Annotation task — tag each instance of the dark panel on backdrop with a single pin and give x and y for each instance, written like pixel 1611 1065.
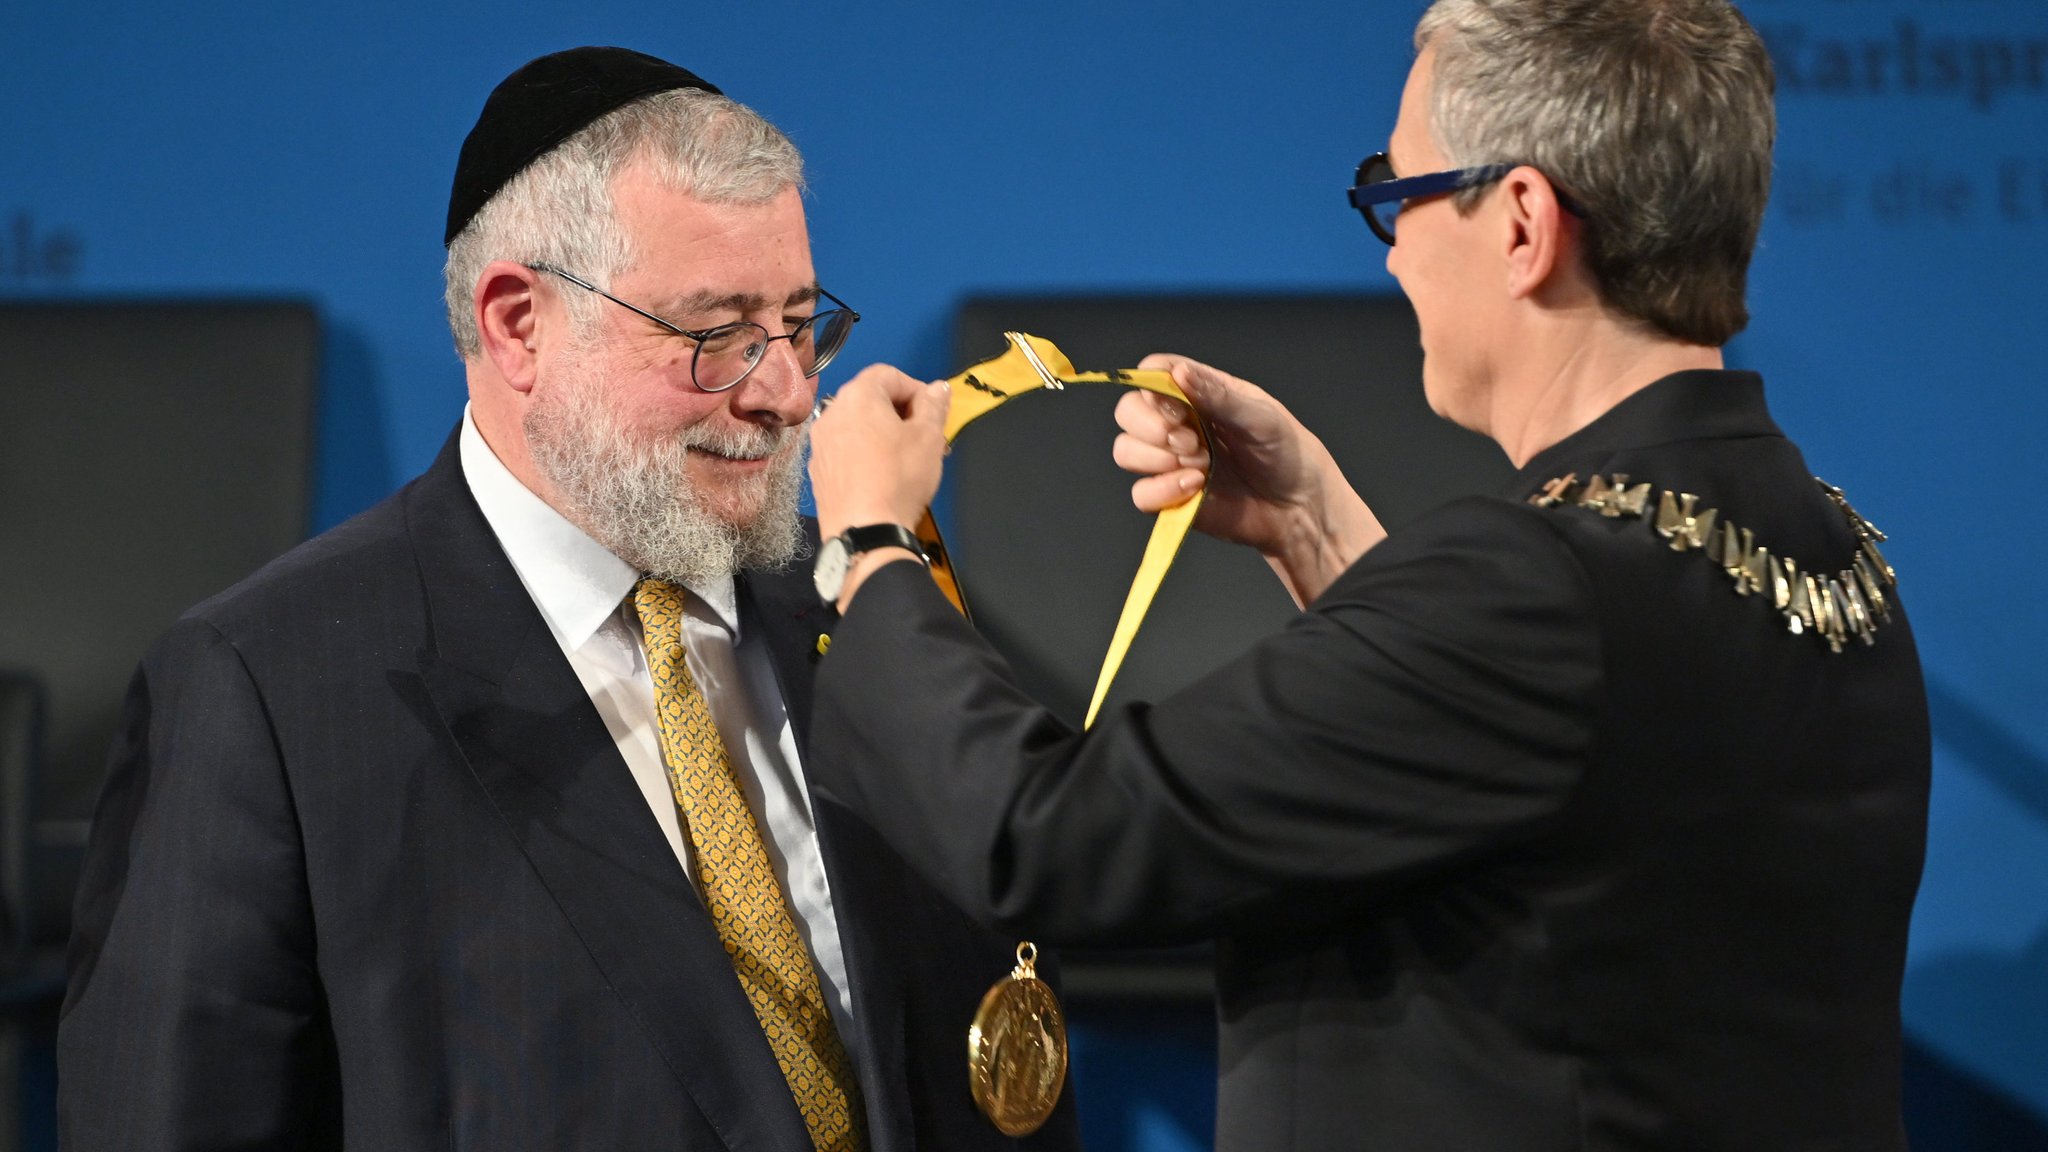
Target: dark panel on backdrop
pixel 1041 524
pixel 151 455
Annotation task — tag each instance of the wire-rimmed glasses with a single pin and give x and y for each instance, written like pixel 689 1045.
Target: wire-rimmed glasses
pixel 729 353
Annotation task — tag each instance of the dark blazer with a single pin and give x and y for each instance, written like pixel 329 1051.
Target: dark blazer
pixel 1530 834
pixel 369 873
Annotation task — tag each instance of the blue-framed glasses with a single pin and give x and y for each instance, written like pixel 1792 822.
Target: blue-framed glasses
pixel 729 353
pixel 1378 194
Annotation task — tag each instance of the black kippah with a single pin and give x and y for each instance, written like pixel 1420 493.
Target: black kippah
pixel 543 104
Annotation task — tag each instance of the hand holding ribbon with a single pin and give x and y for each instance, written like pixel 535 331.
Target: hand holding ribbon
pixel 1271 483
pixel 876 456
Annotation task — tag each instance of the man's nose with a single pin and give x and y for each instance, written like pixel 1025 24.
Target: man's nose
pixel 776 392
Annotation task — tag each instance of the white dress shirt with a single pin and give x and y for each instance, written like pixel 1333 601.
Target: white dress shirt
pixel 585 595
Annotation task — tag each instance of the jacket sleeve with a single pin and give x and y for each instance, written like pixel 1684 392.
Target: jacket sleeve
pixel 193 1016
pixel 1435 704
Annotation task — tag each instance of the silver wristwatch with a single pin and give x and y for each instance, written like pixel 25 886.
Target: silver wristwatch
pixel 836 555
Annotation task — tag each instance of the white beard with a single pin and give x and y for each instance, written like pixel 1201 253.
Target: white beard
pixel 635 497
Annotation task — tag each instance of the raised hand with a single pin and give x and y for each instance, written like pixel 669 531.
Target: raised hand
pixel 876 457
pixel 1272 483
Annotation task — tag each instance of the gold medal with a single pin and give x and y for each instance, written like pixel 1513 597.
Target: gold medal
pixel 1017 1049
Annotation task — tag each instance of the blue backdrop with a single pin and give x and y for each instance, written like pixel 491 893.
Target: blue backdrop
pixel 275 149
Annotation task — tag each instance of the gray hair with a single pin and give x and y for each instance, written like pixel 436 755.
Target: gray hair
pixel 559 209
pixel 1653 116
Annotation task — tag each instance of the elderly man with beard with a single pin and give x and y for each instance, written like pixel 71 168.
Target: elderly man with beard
pixel 482 821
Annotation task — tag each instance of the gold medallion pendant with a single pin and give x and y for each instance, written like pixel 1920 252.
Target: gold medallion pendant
pixel 1017 1049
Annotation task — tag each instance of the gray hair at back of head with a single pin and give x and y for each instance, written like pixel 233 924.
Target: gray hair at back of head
pixel 1654 116
pixel 559 209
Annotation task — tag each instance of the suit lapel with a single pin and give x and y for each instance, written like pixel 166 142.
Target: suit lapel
pixel 785 607
pixel 527 732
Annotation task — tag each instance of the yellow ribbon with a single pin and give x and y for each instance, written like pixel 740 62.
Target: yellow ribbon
pixel 1031 363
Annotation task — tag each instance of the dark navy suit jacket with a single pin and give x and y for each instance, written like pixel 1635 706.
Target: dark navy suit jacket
pixel 369 873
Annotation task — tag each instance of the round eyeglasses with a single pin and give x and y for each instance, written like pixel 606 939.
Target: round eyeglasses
pixel 729 353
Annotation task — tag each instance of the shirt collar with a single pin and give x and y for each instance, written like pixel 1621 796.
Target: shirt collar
pixel 577 583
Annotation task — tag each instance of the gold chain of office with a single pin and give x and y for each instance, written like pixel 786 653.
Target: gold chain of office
pixel 1836 608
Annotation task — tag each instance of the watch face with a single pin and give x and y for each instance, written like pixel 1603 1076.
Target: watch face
pixel 829 573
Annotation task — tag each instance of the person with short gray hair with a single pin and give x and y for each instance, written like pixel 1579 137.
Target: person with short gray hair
pixel 484 819
pixel 1583 818
pixel 1654 119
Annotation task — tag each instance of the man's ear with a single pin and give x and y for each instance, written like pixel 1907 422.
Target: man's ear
pixel 1540 234
pixel 507 320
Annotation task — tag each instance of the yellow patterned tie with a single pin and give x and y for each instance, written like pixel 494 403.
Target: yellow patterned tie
pixel 746 904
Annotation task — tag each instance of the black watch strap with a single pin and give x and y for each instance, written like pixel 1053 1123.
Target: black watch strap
pixel 872 536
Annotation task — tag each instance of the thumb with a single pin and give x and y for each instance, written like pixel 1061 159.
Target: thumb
pixel 1206 388
pixel 931 404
